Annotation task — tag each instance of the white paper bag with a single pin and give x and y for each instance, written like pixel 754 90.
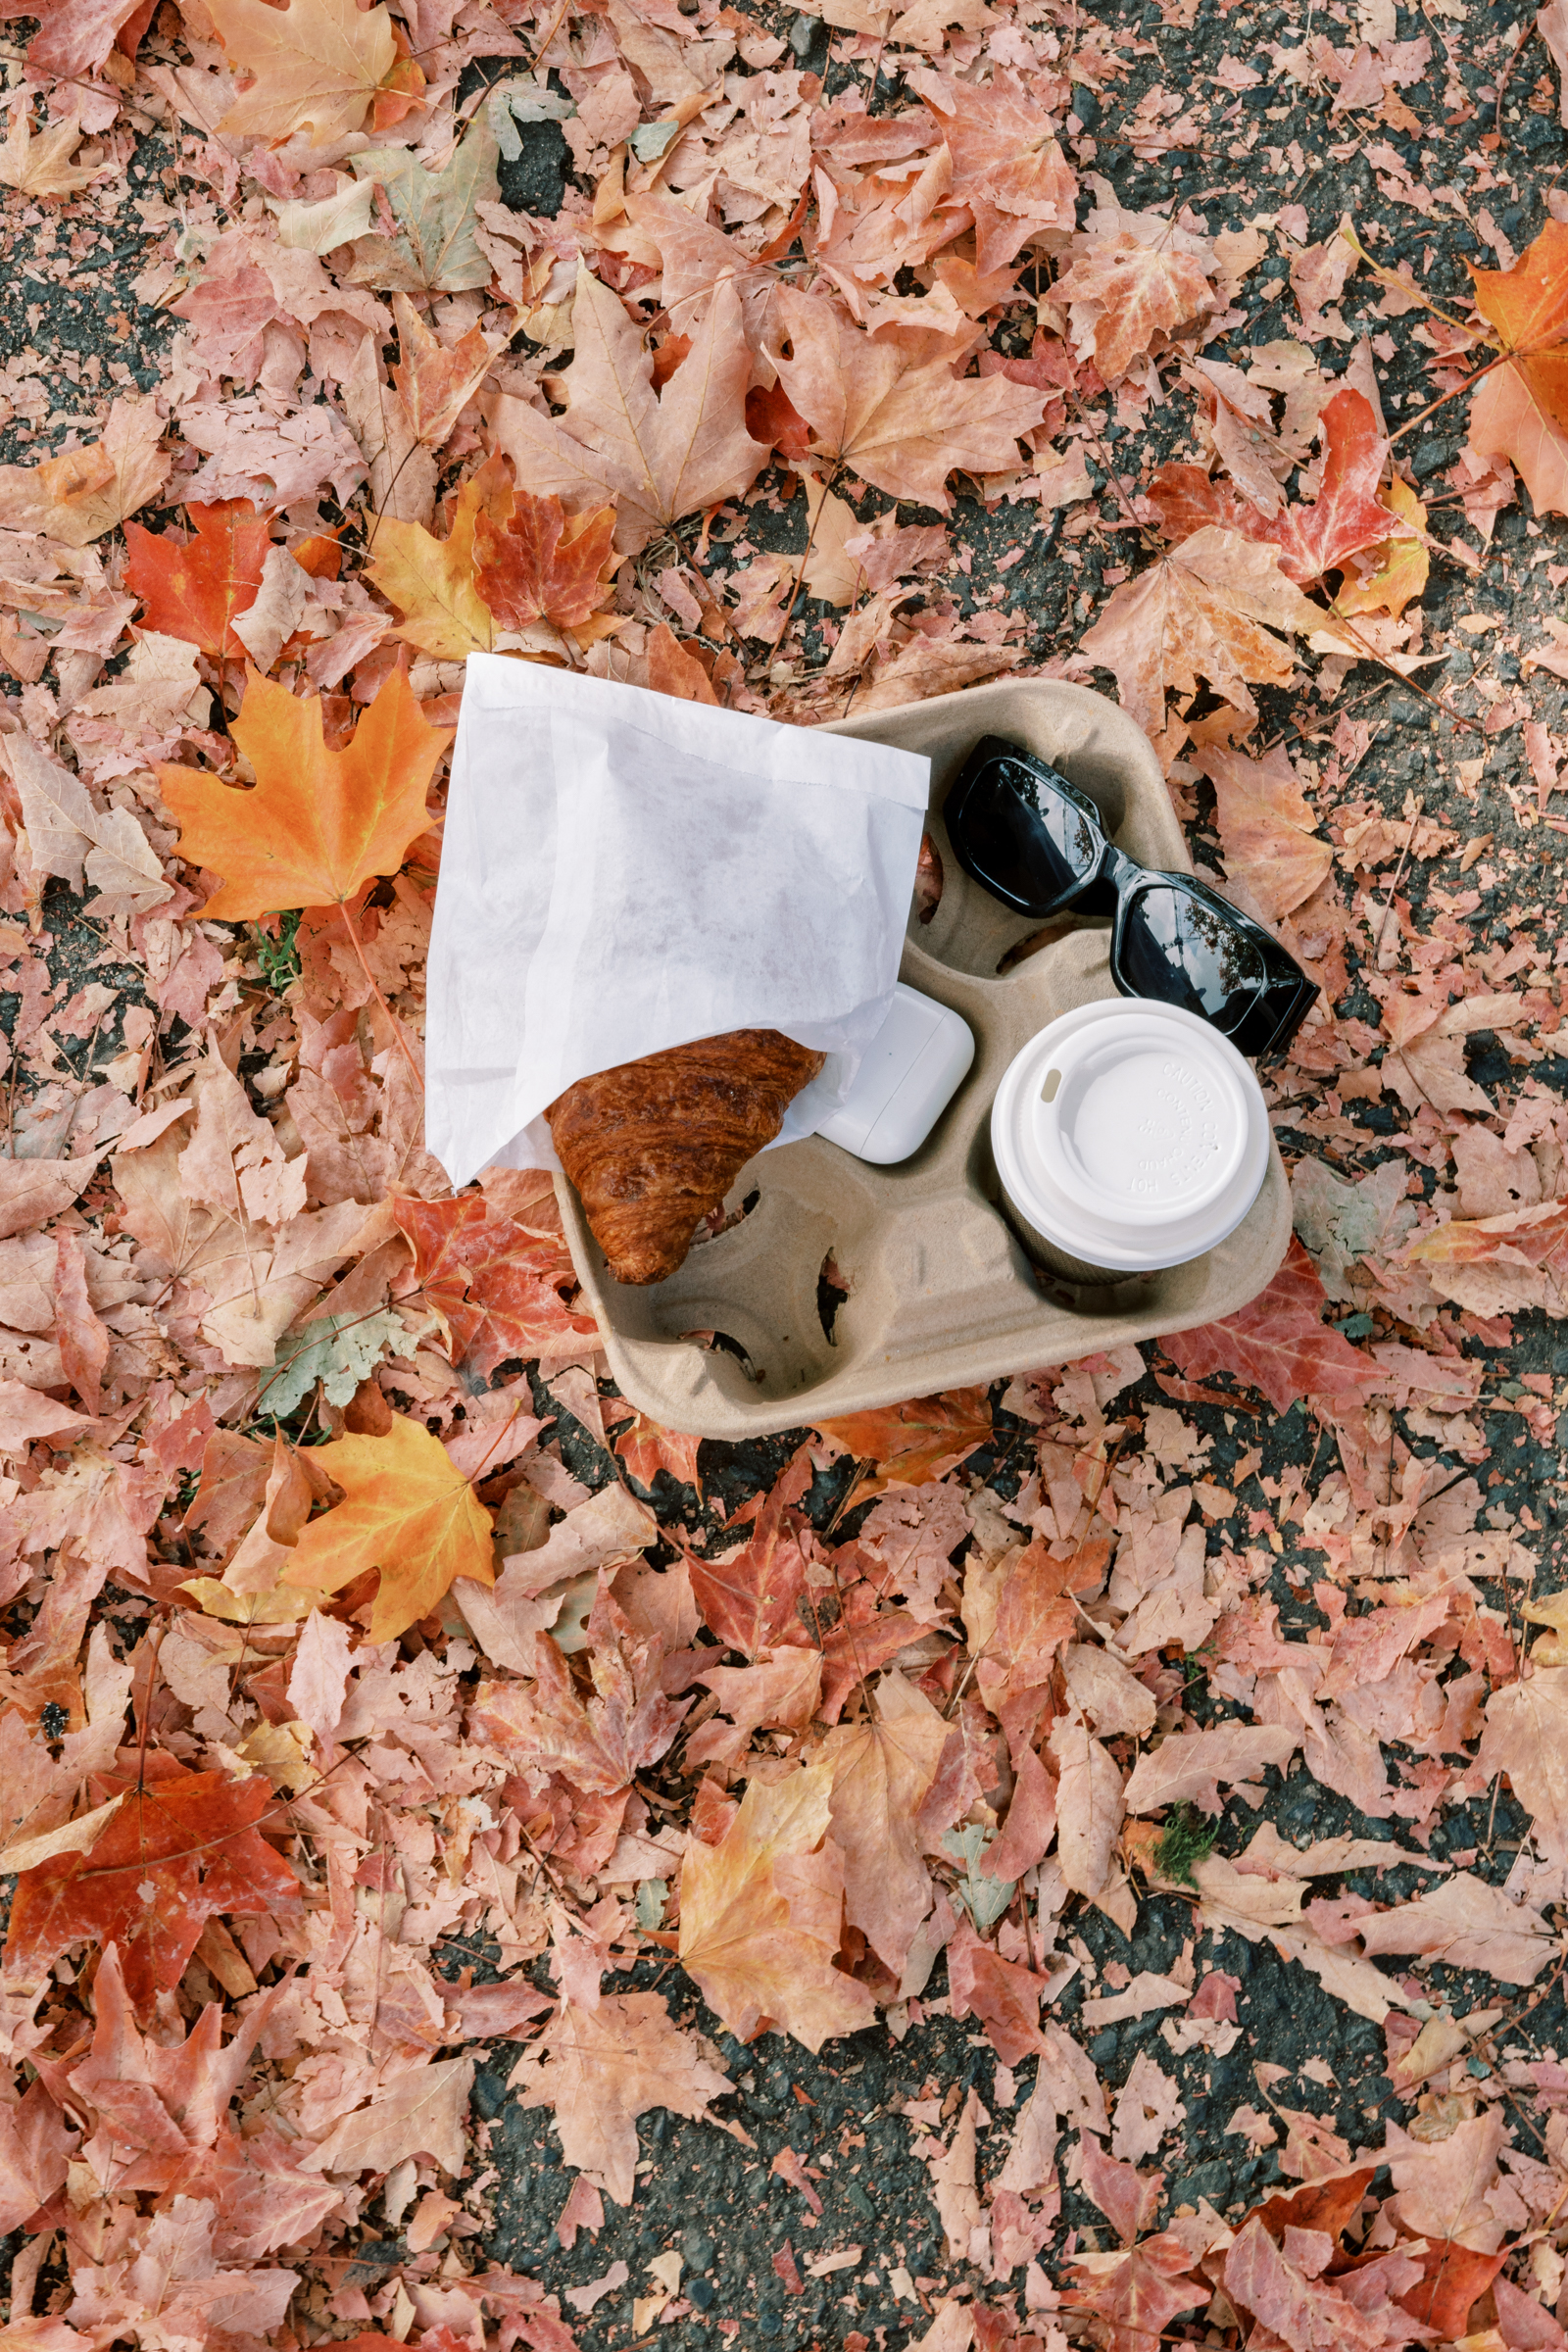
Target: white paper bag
pixel 622 872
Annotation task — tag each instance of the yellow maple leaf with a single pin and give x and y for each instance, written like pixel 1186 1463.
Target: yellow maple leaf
pixel 762 1914
pixel 1398 565
pixel 408 1512
pixel 431 581
pixel 316 62
pixel 317 823
pixel 78 496
pixel 42 165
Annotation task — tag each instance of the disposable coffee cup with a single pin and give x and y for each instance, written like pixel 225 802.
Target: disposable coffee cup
pixel 1129 1138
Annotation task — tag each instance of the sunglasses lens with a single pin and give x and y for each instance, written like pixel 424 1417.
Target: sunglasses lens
pixel 1015 826
pixel 1179 949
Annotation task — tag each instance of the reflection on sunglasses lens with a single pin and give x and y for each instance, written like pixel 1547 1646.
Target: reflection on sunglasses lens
pixel 1018 831
pixel 1177 949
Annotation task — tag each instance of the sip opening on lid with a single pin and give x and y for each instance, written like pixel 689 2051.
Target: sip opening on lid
pixel 1128 1137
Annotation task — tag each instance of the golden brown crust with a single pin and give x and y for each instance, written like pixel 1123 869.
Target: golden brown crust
pixel 654 1145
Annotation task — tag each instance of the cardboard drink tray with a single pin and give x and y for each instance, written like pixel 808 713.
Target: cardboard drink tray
pixel 941 1294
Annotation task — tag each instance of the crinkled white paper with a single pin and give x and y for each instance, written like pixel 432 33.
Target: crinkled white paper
pixel 622 872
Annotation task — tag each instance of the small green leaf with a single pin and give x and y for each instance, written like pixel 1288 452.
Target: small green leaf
pixel 338 1350
pixel 1187 1839
pixel 652 1896
pixel 984 1897
pixel 435 249
pixel 649 141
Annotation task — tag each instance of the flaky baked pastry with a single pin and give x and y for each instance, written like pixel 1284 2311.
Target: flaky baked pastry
pixel 654 1145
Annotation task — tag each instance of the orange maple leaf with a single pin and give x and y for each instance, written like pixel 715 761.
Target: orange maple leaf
pixel 436 380
pixel 1002 1994
pixel 673 670
pixel 1453 2275
pixel 913 1443
pixel 431 581
pixel 761 1913
pixel 644 1448
pixel 319 823
pixel 500 1290
pixel 1520 411
pixel 193 588
pixel 1347 515
pixel 598 1745
pixel 542 563
pixel 750 1596
pixel 183 1846
pixel 1143 290
pixel 1267 827
pixel 73 40
pixel 1206 612
pixel 1396 568
pixel 316 64
pixel 883 1767
pixel 408 1512
pixel 1007 165
pixel 1280 1343
pixel 601 2069
pixel 891 412
pixel 1526 1735
pixel 656 458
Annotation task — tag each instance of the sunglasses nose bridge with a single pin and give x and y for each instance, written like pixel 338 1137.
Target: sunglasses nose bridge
pixel 1106 888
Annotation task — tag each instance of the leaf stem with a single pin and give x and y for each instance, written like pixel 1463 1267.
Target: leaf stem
pixel 1414 684
pixel 396 1026
pixel 1404 286
pixel 1443 398
pixel 805 554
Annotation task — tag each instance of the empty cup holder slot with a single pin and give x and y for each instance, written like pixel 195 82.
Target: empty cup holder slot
pixel 724 1342
pixel 762 1292
pixel 832 1288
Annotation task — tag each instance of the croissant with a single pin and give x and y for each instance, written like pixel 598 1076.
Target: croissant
pixel 654 1145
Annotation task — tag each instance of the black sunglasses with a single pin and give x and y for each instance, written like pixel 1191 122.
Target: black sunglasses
pixel 1036 842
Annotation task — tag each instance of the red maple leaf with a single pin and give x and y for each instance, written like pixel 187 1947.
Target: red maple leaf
pixel 1002 1994
pixel 750 1597
pixel 1453 2275
pixel 913 1443
pixel 1279 1343
pixel 501 1288
pixel 1136 2298
pixel 644 1449
pixel 183 1846
pixel 1346 514
pixel 192 588
pixel 864 1639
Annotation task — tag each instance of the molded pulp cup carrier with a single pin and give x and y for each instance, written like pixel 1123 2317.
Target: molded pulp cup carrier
pixel 1003 1244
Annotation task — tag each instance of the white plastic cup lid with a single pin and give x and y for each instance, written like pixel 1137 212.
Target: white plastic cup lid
pixel 1130 1134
